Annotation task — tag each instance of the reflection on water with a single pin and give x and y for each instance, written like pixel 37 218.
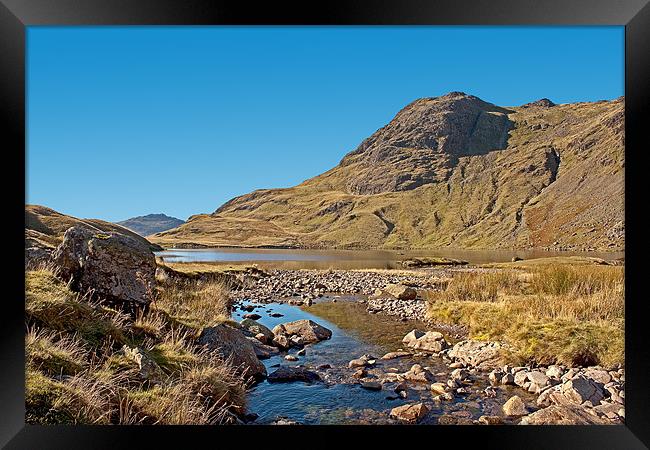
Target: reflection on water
pixel 355 259
pixel 354 333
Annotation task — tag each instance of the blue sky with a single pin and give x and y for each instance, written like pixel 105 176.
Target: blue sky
pixel 125 121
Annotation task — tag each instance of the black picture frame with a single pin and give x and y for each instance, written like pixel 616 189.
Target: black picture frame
pixel 16 15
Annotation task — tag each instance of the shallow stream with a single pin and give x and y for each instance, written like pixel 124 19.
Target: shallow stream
pixel 339 398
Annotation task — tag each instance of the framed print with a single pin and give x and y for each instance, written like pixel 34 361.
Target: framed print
pixel 367 220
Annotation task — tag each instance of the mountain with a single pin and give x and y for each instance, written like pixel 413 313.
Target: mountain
pixel 151 223
pixel 449 171
pixel 44 227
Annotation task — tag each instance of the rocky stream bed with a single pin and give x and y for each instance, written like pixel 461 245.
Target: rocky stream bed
pixel 355 347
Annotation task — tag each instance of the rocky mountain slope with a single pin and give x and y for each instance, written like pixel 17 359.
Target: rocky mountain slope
pixel 151 223
pixel 448 171
pixel 44 228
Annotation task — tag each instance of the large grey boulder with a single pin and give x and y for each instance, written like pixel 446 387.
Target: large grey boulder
pixel 308 331
pixel 113 266
pixel 232 345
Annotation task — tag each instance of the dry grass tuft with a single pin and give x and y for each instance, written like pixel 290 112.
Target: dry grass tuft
pixel 195 303
pixel 565 314
pixel 78 372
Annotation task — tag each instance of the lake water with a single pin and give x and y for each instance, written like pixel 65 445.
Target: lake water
pixel 339 399
pixel 354 259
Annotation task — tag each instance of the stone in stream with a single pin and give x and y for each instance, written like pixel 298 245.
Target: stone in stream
pixel 252 316
pixel 291 358
pixel 394 355
pixel 371 385
pixel 294 373
pixel 363 361
pixel 490 420
pixel 438 388
pixel 431 341
pixel 263 351
pixel 252 328
pixel 417 373
pixel 410 413
pixel 309 331
pixel 276 315
pixel 359 373
pixel 515 407
pixel 282 342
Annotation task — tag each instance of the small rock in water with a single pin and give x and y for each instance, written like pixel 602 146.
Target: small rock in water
pixel 252 316
pixel 515 407
pixel 371 385
pixel 490 420
pixel 301 352
pixel 291 358
pixel 276 315
pixel 410 413
pixel 360 373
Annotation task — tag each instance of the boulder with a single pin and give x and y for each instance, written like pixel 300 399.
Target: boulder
pixel 515 406
pixel 262 351
pixel 564 415
pixel 438 388
pixel 482 355
pixel 401 292
pixel 254 328
pixel 538 378
pixel 418 373
pixel 598 375
pixel 114 266
pixel 294 373
pixel 232 345
pixel 431 341
pixel 580 389
pixel 409 413
pixel 309 331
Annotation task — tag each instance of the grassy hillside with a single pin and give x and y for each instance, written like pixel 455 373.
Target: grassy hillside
pixel 448 171
pixel 44 227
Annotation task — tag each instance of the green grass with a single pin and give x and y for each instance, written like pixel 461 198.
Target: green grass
pixel 571 315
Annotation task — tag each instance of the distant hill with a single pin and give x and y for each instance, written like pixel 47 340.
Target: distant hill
pixel 151 223
pixel 44 227
pixel 449 171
